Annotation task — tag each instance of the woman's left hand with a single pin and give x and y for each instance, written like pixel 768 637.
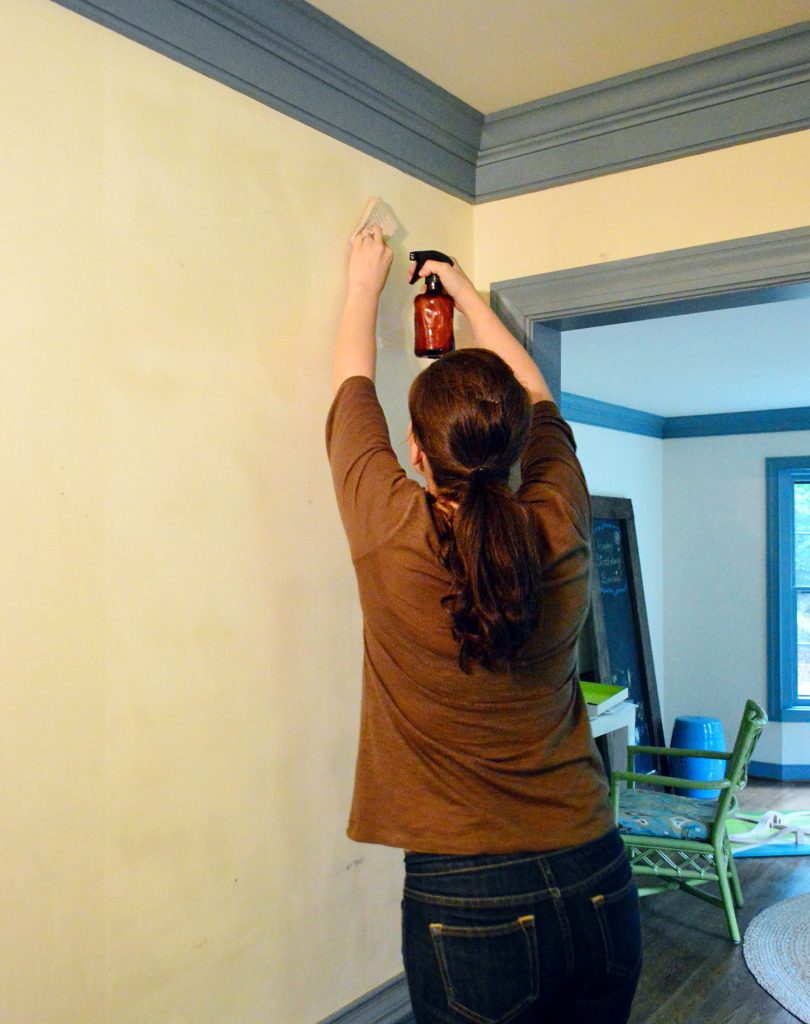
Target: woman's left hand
pixel 369 262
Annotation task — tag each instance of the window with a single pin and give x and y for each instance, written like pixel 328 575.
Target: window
pixel 788 487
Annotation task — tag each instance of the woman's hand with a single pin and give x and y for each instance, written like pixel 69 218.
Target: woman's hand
pixel 369 262
pixel 454 281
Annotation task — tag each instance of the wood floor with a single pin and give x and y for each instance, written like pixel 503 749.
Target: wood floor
pixel 693 973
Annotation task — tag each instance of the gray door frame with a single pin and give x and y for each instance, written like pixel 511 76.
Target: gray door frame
pixel 743 271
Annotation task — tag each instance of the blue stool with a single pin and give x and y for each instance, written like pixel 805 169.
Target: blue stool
pixel 694 732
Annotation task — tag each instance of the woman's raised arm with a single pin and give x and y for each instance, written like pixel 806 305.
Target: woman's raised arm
pixel 356 344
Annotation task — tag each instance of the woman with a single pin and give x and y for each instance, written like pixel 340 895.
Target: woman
pixel 475 751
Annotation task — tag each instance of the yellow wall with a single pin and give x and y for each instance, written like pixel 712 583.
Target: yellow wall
pixel 181 641
pixel 731 193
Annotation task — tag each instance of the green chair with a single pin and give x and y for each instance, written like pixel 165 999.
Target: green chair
pixel 679 842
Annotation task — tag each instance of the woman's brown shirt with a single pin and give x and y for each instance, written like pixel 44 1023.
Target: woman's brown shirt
pixel 492 762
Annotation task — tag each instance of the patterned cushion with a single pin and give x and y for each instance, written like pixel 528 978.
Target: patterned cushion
pixel 647 813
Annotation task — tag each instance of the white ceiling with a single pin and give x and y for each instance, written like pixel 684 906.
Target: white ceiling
pixel 728 360
pixel 495 54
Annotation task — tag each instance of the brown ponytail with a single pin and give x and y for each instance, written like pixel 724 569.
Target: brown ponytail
pixel 470 416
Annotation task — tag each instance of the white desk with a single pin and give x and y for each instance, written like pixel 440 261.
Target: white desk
pixel 623 716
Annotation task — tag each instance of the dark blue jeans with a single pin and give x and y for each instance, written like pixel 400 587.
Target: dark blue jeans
pixel 522 937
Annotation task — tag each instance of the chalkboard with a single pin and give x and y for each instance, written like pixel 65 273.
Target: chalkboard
pixel 616 643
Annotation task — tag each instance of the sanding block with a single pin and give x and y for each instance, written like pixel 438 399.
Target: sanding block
pixel 376 214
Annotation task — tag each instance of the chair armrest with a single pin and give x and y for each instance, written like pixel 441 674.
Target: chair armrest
pixel 633 749
pixel 720 755
pixel 668 781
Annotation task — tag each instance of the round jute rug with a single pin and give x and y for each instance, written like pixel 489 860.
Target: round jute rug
pixel 777 951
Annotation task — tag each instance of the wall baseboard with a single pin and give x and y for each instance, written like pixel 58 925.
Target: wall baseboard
pixel 780 772
pixel 387 1004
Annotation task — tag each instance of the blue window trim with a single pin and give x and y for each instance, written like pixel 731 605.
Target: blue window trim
pixel 783 702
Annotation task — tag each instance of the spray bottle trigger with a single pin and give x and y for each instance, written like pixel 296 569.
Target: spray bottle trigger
pixel 421 256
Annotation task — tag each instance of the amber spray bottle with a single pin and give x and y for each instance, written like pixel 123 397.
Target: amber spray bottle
pixel 433 310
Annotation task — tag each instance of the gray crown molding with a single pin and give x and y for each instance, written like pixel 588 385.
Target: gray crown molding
pixel 595 413
pixel 581 409
pixel 292 57
pixel 296 59
pixel 749 90
pixel 387 1004
pixel 762 421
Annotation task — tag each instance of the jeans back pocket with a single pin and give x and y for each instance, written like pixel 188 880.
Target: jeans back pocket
pixel 620 926
pixel 490 973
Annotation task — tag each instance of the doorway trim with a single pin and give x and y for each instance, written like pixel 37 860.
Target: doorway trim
pixel 743 271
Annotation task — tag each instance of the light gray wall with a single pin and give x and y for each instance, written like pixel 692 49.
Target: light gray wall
pixel 714 571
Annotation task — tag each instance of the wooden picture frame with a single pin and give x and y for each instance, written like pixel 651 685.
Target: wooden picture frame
pixel 615 646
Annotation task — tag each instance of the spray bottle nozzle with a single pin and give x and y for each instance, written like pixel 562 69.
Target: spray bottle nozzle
pixel 421 256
